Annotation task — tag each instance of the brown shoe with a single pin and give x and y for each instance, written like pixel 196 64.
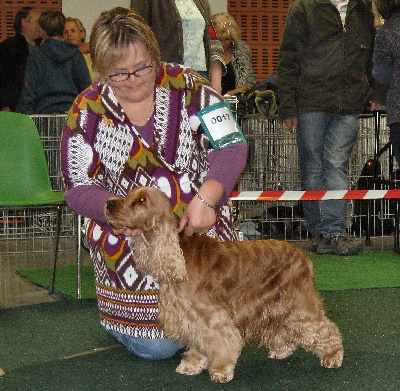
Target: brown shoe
pixel 314 242
pixel 339 245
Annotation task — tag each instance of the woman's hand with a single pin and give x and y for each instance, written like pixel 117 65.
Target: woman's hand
pixel 292 124
pixel 200 214
pixel 197 218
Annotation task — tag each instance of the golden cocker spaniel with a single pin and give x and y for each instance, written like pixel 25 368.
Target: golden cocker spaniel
pixel 216 296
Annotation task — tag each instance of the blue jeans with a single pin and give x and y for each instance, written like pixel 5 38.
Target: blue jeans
pixel 325 142
pixel 151 349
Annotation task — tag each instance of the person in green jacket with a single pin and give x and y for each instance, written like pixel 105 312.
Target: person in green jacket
pixel 324 66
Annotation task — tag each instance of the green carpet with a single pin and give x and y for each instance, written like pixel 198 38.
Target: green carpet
pixel 65 282
pixel 379 269
pixel 60 346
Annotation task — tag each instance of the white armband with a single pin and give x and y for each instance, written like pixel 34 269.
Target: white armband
pixel 220 125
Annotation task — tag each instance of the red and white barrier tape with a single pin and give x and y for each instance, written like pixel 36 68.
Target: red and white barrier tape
pixel 313 195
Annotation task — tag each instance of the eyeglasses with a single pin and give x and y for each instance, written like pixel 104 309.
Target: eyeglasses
pixel 223 24
pixel 122 76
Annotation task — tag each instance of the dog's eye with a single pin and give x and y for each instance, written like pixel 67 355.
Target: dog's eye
pixel 142 199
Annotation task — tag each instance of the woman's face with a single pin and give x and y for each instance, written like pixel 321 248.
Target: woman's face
pixel 135 89
pixel 223 27
pixel 73 34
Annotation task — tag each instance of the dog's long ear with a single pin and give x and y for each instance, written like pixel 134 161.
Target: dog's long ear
pixel 168 252
pixel 162 257
pixel 160 254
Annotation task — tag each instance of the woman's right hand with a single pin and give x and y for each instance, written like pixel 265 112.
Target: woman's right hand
pixel 292 124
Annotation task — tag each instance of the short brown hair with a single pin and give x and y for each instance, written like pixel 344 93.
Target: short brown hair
pixel 111 35
pixel 52 22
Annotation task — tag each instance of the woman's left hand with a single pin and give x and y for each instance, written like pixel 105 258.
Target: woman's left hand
pixel 197 218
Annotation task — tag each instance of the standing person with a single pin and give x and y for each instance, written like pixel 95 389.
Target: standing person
pixel 324 62
pixel 240 74
pixel 144 122
pixel 182 28
pixel 386 69
pixel 75 32
pixel 14 52
pixel 55 73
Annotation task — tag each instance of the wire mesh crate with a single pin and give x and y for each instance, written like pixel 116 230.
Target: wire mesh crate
pixel 273 165
pixel 30 232
pixel 50 129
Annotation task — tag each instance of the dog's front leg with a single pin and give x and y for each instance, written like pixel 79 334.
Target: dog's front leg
pixel 192 362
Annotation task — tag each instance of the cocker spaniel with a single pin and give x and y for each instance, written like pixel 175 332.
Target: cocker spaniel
pixel 216 296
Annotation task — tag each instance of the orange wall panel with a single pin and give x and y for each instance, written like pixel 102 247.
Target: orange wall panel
pixel 9 8
pixel 262 23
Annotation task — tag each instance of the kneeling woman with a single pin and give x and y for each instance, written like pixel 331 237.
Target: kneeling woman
pixel 145 123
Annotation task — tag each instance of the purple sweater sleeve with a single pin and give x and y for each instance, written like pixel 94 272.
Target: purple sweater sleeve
pixel 88 201
pixel 226 165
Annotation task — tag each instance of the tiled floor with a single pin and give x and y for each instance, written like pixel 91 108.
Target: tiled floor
pixel 16 291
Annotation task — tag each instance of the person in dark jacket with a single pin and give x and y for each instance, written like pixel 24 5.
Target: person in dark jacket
pixel 324 66
pixel 56 73
pixel 13 54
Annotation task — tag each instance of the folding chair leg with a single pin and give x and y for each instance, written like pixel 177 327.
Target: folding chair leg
pixel 58 232
pixel 79 258
pixel 396 247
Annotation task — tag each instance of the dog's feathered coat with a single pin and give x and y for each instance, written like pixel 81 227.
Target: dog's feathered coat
pixel 215 296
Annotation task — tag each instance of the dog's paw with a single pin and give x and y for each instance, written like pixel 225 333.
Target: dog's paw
pixel 333 360
pixel 222 376
pixel 186 368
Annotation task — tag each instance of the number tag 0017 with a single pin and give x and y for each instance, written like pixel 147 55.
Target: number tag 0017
pixel 220 125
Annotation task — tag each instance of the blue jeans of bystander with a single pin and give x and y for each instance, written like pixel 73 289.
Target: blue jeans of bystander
pixel 151 349
pixel 325 142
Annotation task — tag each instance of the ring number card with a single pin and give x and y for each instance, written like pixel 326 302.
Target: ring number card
pixel 220 125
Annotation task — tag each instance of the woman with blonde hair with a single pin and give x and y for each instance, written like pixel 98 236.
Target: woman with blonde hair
pixel 145 123
pixel 240 75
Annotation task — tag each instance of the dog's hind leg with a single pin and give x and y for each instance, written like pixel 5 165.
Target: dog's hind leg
pixel 321 337
pixel 328 344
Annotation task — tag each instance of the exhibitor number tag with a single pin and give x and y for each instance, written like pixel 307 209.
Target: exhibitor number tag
pixel 220 125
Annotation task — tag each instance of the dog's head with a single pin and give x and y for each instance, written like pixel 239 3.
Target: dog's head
pixel 149 210
pixel 143 208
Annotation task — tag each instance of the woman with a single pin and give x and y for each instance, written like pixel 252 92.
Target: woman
pixel 75 32
pixel 182 29
pixel 140 125
pixel 240 75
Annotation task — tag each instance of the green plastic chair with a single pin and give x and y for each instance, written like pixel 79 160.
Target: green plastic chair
pixel 24 174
